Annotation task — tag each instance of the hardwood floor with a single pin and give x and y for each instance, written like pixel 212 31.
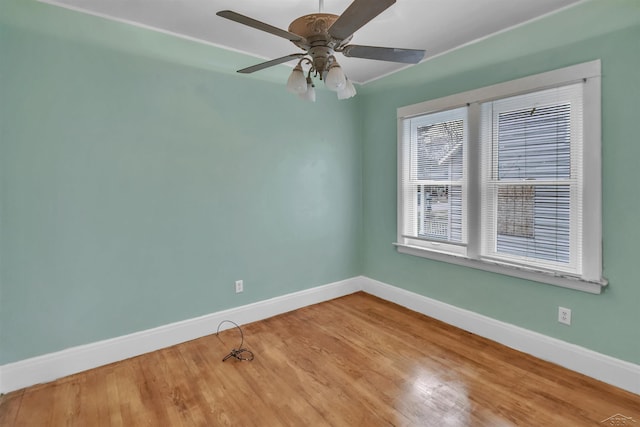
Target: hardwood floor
pixel 353 361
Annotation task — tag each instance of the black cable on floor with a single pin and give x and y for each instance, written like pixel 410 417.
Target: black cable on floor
pixel 237 353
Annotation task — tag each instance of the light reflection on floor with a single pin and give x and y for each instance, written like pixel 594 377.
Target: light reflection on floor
pixel 434 399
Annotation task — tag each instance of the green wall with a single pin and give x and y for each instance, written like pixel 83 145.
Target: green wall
pixel 140 176
pixel 609 30
pixel 137 184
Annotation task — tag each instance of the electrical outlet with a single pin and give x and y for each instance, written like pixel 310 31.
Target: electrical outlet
pixel 564 315
pixel 239 286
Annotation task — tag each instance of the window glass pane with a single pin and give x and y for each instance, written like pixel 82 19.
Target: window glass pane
pixel 516 210
pixel 439 151
pixel 439 212
pixel 534 143
pixel 533 222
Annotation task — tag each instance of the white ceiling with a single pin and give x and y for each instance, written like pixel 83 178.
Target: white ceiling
pixel 436 26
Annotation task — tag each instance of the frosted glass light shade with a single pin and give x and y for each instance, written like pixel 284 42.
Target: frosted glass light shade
pixel 297 83
pixel 335 79
pixel 348 91
pixel 309 94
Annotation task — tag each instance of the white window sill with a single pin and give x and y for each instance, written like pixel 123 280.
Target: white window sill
pixel 536 276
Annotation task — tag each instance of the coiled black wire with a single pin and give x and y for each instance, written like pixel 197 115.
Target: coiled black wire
pixel 237 353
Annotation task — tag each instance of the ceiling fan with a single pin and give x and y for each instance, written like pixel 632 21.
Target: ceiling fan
pixel 320 36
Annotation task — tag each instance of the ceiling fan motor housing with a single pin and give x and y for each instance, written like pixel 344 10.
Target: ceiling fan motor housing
pixel 314 28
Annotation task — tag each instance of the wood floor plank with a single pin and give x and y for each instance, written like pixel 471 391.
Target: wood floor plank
pixel 36 408
pixel 117 414
pixel 9 407
pixel 352 361
pixel 66 402
pixel 93 398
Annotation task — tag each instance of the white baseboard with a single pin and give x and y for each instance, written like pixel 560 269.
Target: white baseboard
pixel 49 367
pixel 605 368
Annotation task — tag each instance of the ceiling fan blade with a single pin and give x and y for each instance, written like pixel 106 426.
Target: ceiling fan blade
pixel 357 14
pixel 259 25
pixel 271 63
pixel 407 56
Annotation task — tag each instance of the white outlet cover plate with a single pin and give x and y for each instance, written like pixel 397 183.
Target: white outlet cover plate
pixel 564 315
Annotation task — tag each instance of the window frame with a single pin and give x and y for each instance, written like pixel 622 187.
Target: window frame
pixel 591 279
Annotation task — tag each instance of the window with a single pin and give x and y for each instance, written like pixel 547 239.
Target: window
pixel 433 183
pixel 532 146
pixel 495 178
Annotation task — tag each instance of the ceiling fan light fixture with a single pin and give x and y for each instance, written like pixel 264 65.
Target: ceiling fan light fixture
pixel 335 80
pixel 297 83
